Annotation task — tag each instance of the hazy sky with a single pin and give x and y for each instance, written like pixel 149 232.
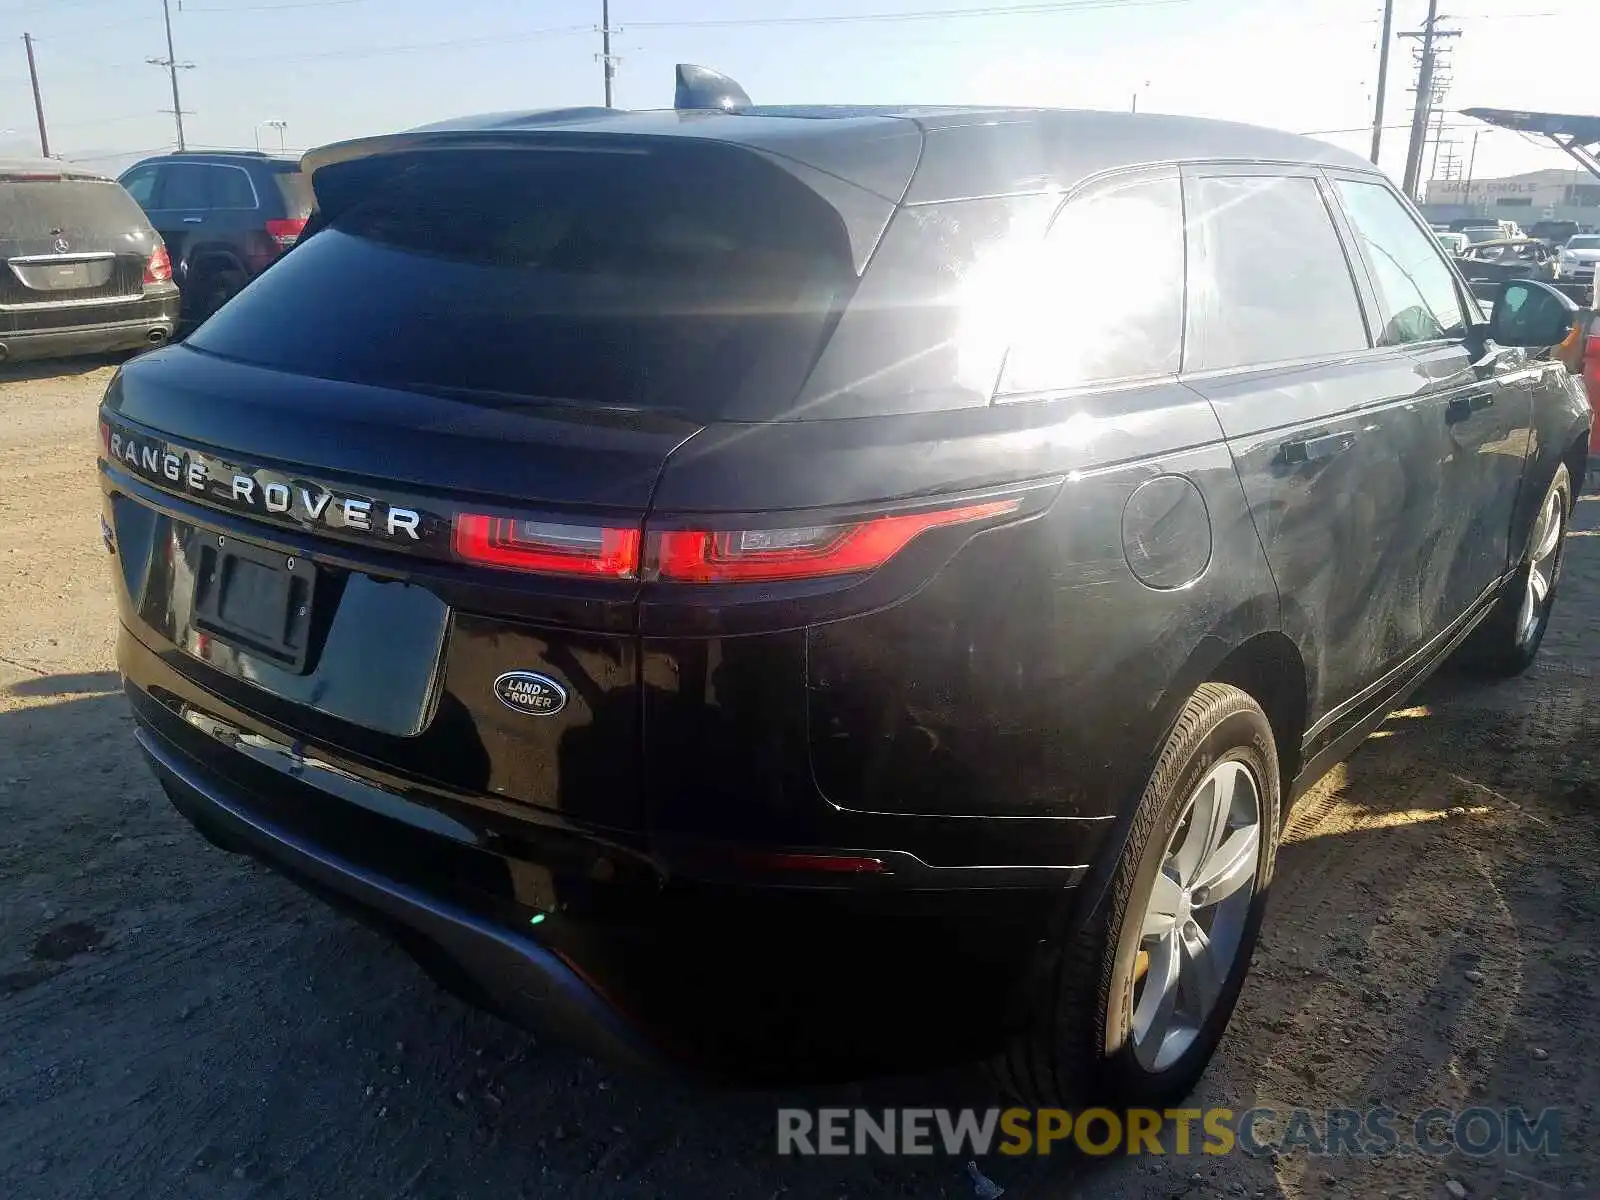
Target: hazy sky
pixel 340 68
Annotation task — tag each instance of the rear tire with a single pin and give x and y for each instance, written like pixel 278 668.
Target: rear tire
pixel 1096 1032
pixel 1507 641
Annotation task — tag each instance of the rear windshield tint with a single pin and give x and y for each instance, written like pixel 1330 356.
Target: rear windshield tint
pixel 37 208
pixel 685 279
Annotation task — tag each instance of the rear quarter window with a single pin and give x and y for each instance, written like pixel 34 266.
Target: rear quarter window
pixel 1103 302
pixel 692 279
pixel 1268 277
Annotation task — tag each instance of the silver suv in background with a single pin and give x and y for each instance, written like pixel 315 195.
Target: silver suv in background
pixel 1575 263
pixel 82 271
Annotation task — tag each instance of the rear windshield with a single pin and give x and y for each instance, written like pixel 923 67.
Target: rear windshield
pixel 31 209
pixel 686 279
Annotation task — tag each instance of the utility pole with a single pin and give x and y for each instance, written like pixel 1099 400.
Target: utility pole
pixel 173 66
pixel 1429 35
pixel 609 63
pixel 1383 77
pixel 1438 137
pixel 38 100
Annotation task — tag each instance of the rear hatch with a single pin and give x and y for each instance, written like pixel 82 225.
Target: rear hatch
pixel 450 405
pixel 66 244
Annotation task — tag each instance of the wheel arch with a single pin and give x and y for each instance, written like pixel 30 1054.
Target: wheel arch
pixel 1576 456
pixel 1245 652
pixel 208 257
pixel 1270 669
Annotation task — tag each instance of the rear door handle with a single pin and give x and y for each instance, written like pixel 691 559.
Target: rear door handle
pixel 1316 448
pixel 193 220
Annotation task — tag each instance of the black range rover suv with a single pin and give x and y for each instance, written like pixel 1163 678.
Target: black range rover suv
pixel 776 589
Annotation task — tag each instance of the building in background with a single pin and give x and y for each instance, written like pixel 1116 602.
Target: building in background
pixel 1560 194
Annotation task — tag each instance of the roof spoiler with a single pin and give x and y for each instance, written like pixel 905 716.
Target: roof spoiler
pixel 703 88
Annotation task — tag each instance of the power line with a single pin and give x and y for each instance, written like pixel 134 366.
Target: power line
pixel 1059 6
pixel 1400 125
pixel 244 8
pixel 77 158
pixel 30 11
pixel 415 47
pixel 932 14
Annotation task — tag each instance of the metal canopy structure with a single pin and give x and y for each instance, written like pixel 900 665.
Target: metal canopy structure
pixel 1579 136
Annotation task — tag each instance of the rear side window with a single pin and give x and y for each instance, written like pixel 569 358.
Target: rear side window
pixel 1104 300
pixel 38 208
pixel 1416 290
pixel 141 185
pixel 231 188
pixel 185 185
pixel 1268 279
pixel 689 279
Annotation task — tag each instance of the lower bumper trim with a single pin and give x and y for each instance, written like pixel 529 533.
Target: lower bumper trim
pixel 526 981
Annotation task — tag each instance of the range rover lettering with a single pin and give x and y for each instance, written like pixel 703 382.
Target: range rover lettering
pixel 787 590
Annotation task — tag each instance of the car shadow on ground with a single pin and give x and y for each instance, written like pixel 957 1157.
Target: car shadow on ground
pixel 57 368
pixel 68 685
pixel 179 1020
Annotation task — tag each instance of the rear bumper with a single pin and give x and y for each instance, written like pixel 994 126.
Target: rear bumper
pixel 146 323
pixel 560 928
pixel 521 978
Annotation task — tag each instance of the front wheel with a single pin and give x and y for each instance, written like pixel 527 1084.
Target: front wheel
pixel 1141 991
pixel 1505 644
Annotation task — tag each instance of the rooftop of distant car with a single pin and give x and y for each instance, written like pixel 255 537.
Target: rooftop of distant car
pixel 46 166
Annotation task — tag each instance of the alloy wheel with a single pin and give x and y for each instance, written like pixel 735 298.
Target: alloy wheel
pixel 1542 562
pixel 1195 917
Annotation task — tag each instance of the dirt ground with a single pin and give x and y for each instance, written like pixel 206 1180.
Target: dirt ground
pixel 177 1022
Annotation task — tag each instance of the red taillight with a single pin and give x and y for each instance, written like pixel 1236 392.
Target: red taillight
pixel 742 556
pixel 286 230
pixel 159 268
pixel 547 548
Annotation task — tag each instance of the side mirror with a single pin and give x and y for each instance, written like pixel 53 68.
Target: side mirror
pixel 1530 314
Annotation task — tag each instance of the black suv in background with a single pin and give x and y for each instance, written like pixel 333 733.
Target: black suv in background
pixel 770 584
pixel 81 270
pixel 225 218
